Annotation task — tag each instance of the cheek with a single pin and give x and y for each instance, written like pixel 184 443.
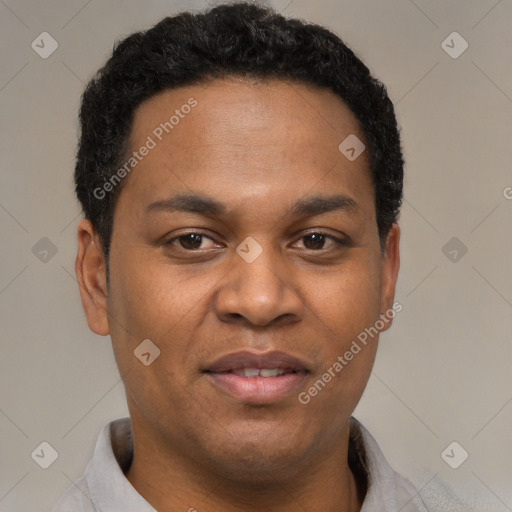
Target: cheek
pixel 148 301
pixel 348 299
pixel 152 300
pixel 347 307
pixel 147 293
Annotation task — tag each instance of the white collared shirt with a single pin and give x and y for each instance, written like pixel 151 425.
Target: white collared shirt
pixel 105 488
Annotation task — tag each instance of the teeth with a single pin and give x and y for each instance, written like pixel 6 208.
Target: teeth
pixel 274 372
pixel 256 372
pixel 249 372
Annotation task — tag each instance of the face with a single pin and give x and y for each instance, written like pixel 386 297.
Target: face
pixel 252 284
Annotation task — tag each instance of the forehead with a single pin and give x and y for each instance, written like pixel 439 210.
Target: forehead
pixel 223 135
pixel 249 111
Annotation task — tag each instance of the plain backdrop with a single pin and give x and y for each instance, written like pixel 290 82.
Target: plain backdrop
pixel 443 371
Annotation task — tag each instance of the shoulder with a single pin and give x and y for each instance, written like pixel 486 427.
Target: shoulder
pixel 76 498
pixel 386 490
pixel 78 495
pixel 389 491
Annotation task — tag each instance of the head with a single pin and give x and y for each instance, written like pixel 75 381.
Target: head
pixel 242 225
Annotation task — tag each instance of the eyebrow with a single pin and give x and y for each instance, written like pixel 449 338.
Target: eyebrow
pixel 188 203
pixel 203 205
pixel 311 206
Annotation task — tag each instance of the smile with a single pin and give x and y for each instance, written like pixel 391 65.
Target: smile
pixel 257 378
pixel 261 372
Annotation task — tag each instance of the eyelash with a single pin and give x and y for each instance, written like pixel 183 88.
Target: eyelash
pixel 338 241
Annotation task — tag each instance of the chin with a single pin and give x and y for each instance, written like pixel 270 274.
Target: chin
pixel 262 459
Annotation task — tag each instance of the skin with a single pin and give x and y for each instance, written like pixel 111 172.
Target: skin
pixel 257 148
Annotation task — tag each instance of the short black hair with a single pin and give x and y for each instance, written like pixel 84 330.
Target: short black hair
pixel 230 40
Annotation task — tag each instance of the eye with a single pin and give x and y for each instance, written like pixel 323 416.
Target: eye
pixel 189 241
pixel 316 240
pixel 194 241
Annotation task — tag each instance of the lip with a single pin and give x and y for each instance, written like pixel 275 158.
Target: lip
pixel 247 359
pixel 257 390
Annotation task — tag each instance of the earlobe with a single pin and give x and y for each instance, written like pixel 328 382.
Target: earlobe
pixel 90 268
pixel 390 268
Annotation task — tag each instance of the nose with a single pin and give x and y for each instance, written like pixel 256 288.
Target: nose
pixel 260 293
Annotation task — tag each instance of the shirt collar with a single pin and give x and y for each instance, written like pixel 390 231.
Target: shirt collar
pixel 111 490
pixel 108 486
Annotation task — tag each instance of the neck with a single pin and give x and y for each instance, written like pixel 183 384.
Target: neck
pixel 171 481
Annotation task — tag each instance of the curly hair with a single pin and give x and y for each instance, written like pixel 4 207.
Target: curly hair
pixel 242 40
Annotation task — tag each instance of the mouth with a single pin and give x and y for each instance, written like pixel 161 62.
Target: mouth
pixel 264 373
pixel 257 378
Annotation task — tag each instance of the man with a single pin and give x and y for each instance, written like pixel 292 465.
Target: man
pixel 241 176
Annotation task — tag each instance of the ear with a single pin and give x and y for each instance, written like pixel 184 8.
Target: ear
pixel 90 268
pixel 390 267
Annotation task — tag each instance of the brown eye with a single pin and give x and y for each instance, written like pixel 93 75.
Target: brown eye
pixel 317 241
pixel 190 240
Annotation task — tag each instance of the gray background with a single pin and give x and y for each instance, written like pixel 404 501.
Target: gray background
pixel 444 370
